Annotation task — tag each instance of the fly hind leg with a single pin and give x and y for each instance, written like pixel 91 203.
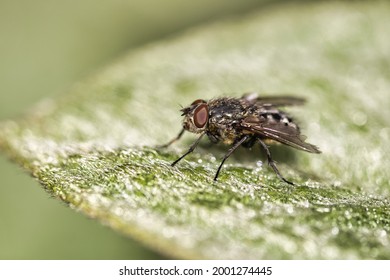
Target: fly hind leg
pixel 272 163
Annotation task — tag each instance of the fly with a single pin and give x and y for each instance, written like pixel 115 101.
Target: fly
pixel 244 121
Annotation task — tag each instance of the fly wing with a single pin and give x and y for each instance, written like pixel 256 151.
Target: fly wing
pixel 284 132
pixel 269 101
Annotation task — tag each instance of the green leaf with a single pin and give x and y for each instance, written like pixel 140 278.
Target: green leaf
pixel 95 147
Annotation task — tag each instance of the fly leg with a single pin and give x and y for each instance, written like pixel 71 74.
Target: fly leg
pixel 231 150
pixel 173 140
pixel 190 150
pixel 272 163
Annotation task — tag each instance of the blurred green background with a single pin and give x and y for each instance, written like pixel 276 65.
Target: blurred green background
pixel 45 47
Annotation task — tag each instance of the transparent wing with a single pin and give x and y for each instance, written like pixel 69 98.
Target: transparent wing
pixel 268 101
pixel 288 134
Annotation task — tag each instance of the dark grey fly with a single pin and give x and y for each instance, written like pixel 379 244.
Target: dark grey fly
pixel 244 121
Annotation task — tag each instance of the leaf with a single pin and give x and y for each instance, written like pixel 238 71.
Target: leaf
pixel 95 148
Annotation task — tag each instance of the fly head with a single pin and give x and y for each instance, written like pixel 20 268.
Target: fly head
pixel 196 116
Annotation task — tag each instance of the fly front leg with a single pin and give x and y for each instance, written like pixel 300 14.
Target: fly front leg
pixel 173 140
pixel 191 149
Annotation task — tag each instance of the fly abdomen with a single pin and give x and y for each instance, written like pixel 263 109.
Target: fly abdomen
pixel 278 118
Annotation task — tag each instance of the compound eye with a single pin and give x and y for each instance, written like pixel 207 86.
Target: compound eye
pixel 197 101
pixel 201 115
